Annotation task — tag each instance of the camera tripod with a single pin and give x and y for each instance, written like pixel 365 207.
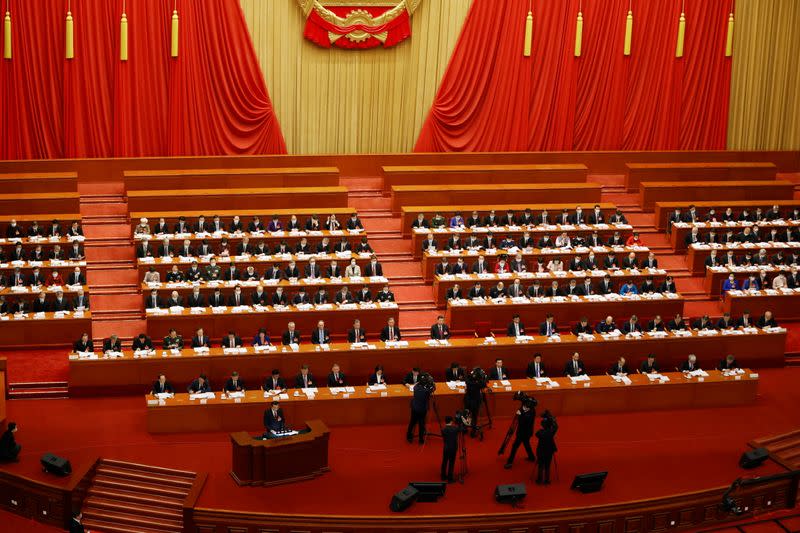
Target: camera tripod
pixel 475 409
pixel 509 434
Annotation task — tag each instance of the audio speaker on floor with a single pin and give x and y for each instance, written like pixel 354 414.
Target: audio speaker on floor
pixel 753 458
pixel 403 499
pixel 54 464
pixel 589 482
pixel 429 491
pixel 510 493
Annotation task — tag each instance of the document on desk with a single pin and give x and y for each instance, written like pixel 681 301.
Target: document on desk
pixel 375 388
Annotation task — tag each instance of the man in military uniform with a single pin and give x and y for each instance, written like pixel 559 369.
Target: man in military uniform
pixel 173 341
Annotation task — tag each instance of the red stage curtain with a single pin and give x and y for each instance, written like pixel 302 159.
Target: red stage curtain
pixel 603 100
pixel 707 79
pixel 88 88
pixel 218 98
pixel 33 83
pixel 211 100
pixel 600 102
pixel 141 95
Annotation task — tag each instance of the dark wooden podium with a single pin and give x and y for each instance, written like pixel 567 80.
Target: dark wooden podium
pixel 282 460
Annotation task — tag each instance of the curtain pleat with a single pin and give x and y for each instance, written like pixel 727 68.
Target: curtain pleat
pixel 211 100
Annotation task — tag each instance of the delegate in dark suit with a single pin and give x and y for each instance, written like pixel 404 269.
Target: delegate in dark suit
pixel 440 332
pixel 160 388
pixel 273 419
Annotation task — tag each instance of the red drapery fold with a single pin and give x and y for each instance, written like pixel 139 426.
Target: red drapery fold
pixel 88 89
pixel 218 90
pixel 707 75
pixel 603 100
pixel 33 84
pixel 210 100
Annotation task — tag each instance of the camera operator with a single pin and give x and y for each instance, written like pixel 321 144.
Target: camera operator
pixel 475 383
pixel 546 447
pixel 419 406
pixel 450 433
pixel 526 415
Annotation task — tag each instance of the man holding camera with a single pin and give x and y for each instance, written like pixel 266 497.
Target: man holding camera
pixel 525 418
pixel 453 428
pixel 473 395
pixel 546 447
pixel 422 391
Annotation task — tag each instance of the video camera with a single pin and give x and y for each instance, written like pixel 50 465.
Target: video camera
pixel 548 419
pixel 463 418
pixel 426 382
pixel 477 378
pixel 528 401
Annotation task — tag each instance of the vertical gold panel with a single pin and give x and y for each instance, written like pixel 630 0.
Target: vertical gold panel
pixel 765 80
pixel 352 101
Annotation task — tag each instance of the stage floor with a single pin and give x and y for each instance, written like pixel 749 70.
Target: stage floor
pixel 647 455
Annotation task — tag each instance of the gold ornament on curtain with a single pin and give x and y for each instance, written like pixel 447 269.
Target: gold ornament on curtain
pixel 174 42
pixel 579 30
pixel 123 34
pixel 628 29
pixel 7 34
pixel 729 37
pixel 363 23
pixel 681 31
pixel 526 50
pixel 69 45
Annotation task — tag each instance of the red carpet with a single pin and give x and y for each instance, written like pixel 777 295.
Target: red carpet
pixel 379 458
pixel 37 365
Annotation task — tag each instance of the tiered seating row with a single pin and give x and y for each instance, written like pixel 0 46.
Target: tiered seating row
pixel 635 173
pixel 475 174
pixel 651 192
pixel 230 178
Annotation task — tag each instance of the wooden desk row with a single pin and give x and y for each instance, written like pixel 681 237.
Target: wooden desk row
pixel 271 239
pixel 603 395
pixel 706 171
pixel 784 305
pixel 498 193
pixel 38 182
pixel 441 284
pixel 697 255
pixel 651 192
pixel 129 374
pixel 715 277
pixel 677 236
pixel 565 310
pixel 542 255
pixel 441 236
pixel 253 198
pixel 230 178
pixel 216 325
pixel 260 262
pixel 488 174
pixel 34 291
pixel 664 209
pixel 290 287
pixel 47 331
pixel 24 205
pixel 245 215
pixel 409 213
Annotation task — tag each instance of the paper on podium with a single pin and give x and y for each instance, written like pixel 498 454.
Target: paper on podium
pixel 505 383
pixel 453 385
pixel 238 394
pixel 622 379
pixel 542 380
pixel 382 386
pixel 582 377
pixel 164 395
